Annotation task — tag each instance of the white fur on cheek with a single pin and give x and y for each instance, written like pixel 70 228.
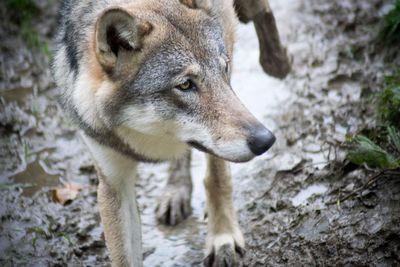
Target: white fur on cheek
pixel 192 131
pixel 150 135
pixel 144 119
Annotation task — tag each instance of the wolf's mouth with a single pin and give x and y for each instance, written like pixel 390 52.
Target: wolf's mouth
pixel 200 147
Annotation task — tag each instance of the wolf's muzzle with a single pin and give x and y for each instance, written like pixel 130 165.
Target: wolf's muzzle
pixel 260 140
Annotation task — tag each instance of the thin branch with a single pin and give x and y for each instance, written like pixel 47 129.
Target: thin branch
pixel 370 181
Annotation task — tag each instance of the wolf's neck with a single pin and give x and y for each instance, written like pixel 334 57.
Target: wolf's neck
pixel 161 147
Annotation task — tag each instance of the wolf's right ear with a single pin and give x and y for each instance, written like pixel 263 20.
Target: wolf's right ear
pixel 117 30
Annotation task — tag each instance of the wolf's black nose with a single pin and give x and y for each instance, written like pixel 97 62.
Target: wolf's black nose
pixel 261 139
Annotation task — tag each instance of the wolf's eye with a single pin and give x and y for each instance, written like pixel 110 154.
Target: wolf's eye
pixel 226 62
pixel 227 67
pixel 187 85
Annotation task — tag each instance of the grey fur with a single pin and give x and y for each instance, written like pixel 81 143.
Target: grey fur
pixel 108 138
pixel 190 43
pixel 118 59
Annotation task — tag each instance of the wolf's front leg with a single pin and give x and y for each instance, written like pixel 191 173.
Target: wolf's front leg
pixel 224 239
pixel 118 206
pixel 174 204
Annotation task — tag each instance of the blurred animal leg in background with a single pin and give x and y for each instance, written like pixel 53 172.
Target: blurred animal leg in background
pixel 273 56
pixel 174 204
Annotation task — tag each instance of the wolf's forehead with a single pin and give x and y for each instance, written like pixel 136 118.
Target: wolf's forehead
pixel 204 42
pixel 202 33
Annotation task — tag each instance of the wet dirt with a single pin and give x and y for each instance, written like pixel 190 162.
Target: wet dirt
pixel 282 197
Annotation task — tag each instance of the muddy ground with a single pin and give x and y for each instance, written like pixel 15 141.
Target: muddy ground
pixel 288 201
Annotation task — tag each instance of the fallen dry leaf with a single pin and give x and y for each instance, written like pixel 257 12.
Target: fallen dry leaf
pixel 65 195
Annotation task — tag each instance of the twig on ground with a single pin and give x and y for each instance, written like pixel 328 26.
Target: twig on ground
pixel 370 181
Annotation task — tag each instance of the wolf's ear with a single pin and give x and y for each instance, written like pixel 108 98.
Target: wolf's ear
pixel 194 4
pixel 117 30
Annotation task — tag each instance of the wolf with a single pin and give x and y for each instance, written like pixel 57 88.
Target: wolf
pixel 146 81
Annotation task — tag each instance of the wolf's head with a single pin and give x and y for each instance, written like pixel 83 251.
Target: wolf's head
pixel 170 64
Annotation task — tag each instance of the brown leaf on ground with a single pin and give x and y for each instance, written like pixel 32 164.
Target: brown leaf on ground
pixel 65 195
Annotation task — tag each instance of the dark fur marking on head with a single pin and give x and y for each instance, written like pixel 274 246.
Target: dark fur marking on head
pixel 70 36
pixel 71 47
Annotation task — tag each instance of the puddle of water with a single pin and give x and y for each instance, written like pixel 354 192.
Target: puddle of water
pixel 303 195
pixel 36 178
pixel 16 94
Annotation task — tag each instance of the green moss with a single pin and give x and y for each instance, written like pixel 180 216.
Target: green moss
pixel 22 12
pixel 30 36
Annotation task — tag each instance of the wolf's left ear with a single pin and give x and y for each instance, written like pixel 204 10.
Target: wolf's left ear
pixel 117 31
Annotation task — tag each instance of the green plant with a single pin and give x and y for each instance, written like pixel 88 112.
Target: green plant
pixel 390 25
pixel 394 138
pixel 364 151
pixel 380 147
pixel 389 101
pixel 22 10
pixel 30 36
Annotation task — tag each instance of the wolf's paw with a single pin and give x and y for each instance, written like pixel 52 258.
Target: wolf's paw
pixel 225 251
pixel 174 205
